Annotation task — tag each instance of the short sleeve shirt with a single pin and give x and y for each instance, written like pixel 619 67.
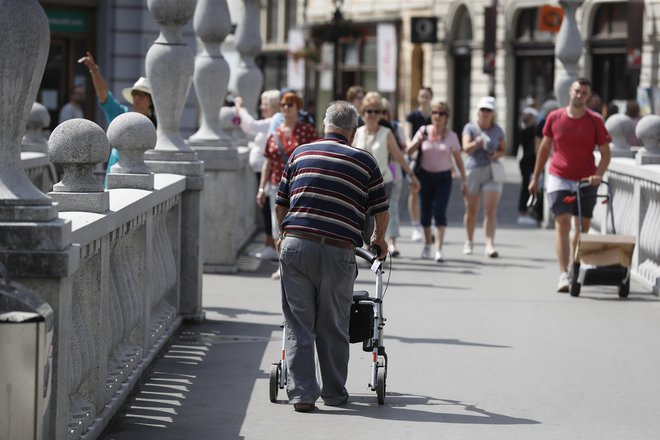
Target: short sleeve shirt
pixel 575 140
pixel 303 133
pixel 417 119
pixel 437 149
pixel 480 156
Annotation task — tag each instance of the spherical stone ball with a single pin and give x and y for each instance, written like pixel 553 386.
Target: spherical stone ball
pixel 78 141
pixel 39 117
pixel 620 127
pixel 132 131
pixel 648 131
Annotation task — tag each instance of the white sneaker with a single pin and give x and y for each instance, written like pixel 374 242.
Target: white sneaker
pixel 267 253
pixel 490 252
pixel 467 248
pixel 426 252
pixel 438 256
pixel 417 234
pixel 564 282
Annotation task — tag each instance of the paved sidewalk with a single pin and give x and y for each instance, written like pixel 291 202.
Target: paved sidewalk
pixel 479 349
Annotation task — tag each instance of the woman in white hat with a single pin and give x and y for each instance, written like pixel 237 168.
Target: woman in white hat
pixel 484 143
pixel 139 96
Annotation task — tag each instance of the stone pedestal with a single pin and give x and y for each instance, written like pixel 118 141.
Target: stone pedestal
pixel 568 49
pixel 229 207
pixel 645 157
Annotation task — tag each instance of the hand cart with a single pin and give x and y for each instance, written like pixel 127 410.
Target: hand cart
pixel 601 259
pixel 366 326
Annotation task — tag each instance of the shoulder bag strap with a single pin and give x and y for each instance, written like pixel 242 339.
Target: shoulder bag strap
pixel 278 142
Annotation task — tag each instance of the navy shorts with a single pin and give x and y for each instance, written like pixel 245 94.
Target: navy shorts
pixel 565 202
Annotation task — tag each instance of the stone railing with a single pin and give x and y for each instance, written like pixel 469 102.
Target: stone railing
pixel 125 293
pixel 634 177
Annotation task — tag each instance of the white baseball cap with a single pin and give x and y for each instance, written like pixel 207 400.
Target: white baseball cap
pixel 487 102
pixel 141 85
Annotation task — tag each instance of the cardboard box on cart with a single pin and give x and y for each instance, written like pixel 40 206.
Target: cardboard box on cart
pixel 605 249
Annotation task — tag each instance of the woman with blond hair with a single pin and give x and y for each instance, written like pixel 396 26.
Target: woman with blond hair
pixel 438 145
pixel 380 142
pixel 484 143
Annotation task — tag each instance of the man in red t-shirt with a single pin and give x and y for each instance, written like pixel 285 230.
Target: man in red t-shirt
pixel 575 131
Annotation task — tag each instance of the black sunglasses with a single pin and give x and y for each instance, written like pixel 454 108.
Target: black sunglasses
pixel 439 113
pixel 287 104
pixel 372 111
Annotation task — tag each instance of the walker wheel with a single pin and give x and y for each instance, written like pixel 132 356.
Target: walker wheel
pixel 380 385
pixel 624 289
pixel 274 381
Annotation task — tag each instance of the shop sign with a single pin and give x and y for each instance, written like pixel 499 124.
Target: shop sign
pixel 550 18
pixel 387 57
pixel 67 21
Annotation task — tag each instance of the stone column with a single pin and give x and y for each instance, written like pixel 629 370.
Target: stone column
pixel 212 24
pixel 169 67
pixel 648 131
pixel 227 212
pixel 568 49
pixel 249 78
pixel 35 245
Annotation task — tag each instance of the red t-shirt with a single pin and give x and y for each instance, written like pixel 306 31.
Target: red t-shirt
pixel 574 140
pixel 303 133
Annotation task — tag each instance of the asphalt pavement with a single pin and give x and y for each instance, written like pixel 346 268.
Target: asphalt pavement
pixel 478 348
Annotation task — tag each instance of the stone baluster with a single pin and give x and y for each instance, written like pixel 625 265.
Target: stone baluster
pixel 620 127
pixel 568 48
pixel 77 145
pixel 35 245
pixel 212 24
pixel 648 131
pixel 35 137
pixel 249 78
pixel 170 66
pixel 132 134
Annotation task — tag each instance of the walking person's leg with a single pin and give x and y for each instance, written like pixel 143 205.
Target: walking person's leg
pixel 338 271
pixel 440 203
pixel 491 201
pixel 427 189
pixel 299 263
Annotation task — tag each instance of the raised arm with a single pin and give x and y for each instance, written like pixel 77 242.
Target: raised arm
pixel 100 87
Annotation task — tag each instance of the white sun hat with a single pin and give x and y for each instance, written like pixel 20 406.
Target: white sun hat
pixel 487 102
pixel 141 85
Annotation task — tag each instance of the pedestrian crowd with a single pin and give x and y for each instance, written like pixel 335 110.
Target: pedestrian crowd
pixel 323 196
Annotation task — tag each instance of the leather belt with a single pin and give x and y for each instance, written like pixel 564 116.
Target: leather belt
pixel 320 238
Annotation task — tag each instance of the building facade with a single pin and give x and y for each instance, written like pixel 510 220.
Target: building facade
pixel 518 48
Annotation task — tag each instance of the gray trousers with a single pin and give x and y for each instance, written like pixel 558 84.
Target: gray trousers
pixel 317 291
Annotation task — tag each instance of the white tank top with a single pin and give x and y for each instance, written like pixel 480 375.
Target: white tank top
pixel 376 144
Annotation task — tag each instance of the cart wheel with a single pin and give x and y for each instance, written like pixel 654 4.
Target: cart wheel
pixel 575 286
pixel 624 289
pixel 274 381
pixel 380 386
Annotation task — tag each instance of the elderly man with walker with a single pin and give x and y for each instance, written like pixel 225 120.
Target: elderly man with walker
pixel 327 189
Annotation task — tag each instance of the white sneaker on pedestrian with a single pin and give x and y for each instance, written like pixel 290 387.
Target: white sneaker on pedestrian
pixel 426 252
pixel 276 275
pixel 417 234
pixel 267 253
pixel 490 252
pixel 564 282
pixel 467 248
pixel 438 256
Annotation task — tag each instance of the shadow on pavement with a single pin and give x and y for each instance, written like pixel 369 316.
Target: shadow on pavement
pixel 198 387
pixel 398 407
pixel 405 340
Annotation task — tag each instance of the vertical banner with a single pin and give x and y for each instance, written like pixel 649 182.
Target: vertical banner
pixel 387 57
pixel 635 35
pixel 490 23
pixel 295 66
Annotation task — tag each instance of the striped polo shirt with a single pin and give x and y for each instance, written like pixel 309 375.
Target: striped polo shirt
pixel 328 187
